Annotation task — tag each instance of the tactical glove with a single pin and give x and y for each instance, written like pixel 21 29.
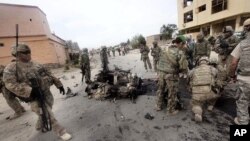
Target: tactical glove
pixel 61 89
pixel 34 82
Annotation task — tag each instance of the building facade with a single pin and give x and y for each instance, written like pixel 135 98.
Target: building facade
pixel 47 48
pixel 210 16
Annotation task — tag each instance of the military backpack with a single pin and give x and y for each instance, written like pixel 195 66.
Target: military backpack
pixel 202 80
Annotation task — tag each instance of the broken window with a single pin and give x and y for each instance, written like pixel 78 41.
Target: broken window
pixel 187 3
pixel 188 17
pixel 218 5
pixel 202 8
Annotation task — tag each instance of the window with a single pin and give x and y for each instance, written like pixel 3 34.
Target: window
pixel 187 3
pixel 193 30
pixel 188 17
pixel 218 5
pixel 202 8
pixel 1 44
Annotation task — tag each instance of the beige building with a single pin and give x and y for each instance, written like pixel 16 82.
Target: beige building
pixel 211 16
pixel 47 48
pixel 158 38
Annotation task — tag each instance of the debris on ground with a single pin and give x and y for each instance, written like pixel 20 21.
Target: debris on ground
pixel 69 93
pixel 149 116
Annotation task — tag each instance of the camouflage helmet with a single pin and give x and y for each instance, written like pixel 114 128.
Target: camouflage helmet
pixel 154 43
pixel 211 38
pixel 213 61
pixel 227 29
pixel 204 58
pixel 20 48
pixel 246 22
pixel 200 36
pixel 85 49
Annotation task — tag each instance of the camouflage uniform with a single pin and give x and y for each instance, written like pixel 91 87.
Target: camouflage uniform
pixel 104 58
pixel 144 50
pixel 113 51
pixel 171 63
pixel 224 51
pixel 202 82
pixel 21 86
pixel 201 48
pixel 85 65
pixel 242 53
pixel 155 52
pixel 108 52
pixel 11 100
pixel 119 51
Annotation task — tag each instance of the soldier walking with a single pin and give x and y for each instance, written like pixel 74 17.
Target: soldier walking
pixel 144 50
pixel 30 82
pixel 104 58
pixel 241 61
pixel 113 51
pixel 155 52
pixel 85 66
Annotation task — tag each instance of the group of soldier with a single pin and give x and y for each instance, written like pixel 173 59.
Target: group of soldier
pixel 206 77
pixel 30 82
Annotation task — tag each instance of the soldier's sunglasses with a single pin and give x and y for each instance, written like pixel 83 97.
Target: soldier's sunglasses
pixel 25 52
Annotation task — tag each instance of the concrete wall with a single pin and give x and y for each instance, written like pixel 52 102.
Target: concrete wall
pixel 34 30
pixel 31 20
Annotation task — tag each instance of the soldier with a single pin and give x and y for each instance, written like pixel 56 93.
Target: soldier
pixel 201 48
pixel 225 46
pixel 204 90
pixel 108 52
pixel 189 52
pixel 11 100
pixel 30 81
pixel 241 61
pixel 144 50
pixel 85 66
pixel 155 52
pixel 104 58
pixel 113 51
pixel 119 51
pixel 172 62
pixel 211 42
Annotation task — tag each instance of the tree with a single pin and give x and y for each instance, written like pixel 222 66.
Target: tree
pixel 136 40
pixel 167 31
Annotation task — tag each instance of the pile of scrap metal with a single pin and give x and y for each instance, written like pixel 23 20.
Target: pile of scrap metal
pixel 115 83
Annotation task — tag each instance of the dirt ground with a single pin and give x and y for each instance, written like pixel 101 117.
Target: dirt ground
pixel 120 120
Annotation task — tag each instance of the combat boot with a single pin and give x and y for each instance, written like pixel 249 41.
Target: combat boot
pixel 198 118
pixel 236 121
pixel 158 108
pixel 66 136
pixel 172 113
pixel 210 108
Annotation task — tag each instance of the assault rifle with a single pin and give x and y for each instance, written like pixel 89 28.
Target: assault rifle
pixel 46 121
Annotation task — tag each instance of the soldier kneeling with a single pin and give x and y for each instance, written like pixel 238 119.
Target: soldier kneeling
pixel 202 81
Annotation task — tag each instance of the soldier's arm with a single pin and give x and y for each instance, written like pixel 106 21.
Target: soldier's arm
pixel 183 63
pixel 234 44
pixel 55 80
pixel 21 89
